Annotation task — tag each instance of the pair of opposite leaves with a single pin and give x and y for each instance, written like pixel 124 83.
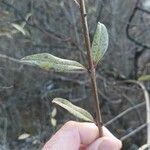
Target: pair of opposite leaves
pixel 47 61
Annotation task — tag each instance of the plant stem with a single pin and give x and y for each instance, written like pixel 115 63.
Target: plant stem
pixel 92 72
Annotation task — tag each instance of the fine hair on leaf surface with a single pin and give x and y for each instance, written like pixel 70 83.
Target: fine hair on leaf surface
pixel 100 43
pixel 48 62
pixel 75 110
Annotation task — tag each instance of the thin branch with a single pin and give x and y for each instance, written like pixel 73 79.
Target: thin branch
pixel 129 22
pixel 144 10
pixel 147 100
pixel 5 59
pixel 6 87
pixel 133 132
pixel 77 2
pixel 143 147
pixel 136 110
pixel 48 32
pixel 124 113
pixel 91 68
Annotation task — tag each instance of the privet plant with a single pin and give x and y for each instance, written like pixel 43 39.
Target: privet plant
pixel 95 52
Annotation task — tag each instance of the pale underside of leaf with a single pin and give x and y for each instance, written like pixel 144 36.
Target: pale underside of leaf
pixel 48 62
pixel 75 110
pixel 23 136
pixel 19 28
pixel 8 32
pixel 53 122
pixel 54 112
pixel 100 43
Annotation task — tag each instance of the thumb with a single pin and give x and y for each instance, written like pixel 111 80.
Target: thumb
pixel 105 143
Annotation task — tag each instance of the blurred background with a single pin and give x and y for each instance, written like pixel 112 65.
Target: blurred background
pixel 27 116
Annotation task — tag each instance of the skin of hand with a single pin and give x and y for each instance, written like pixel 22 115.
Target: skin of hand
pixel 82 136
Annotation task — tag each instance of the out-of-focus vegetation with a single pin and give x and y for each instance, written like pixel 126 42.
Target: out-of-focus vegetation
pixel 28 27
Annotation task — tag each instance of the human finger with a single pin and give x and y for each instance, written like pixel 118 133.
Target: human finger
pixel 72 135
pixel 107 142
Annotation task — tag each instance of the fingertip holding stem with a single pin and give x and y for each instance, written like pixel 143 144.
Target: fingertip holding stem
pixel 109 144
pixel 105 143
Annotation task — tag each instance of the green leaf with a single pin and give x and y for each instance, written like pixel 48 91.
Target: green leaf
pixel 47 61
pixel 144 78
pixel 100 43
pixel 76 111
pixel 19 28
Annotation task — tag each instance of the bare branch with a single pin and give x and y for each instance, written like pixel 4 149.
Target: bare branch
pixel 147 100
pixel 133 132
pixel 124 113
